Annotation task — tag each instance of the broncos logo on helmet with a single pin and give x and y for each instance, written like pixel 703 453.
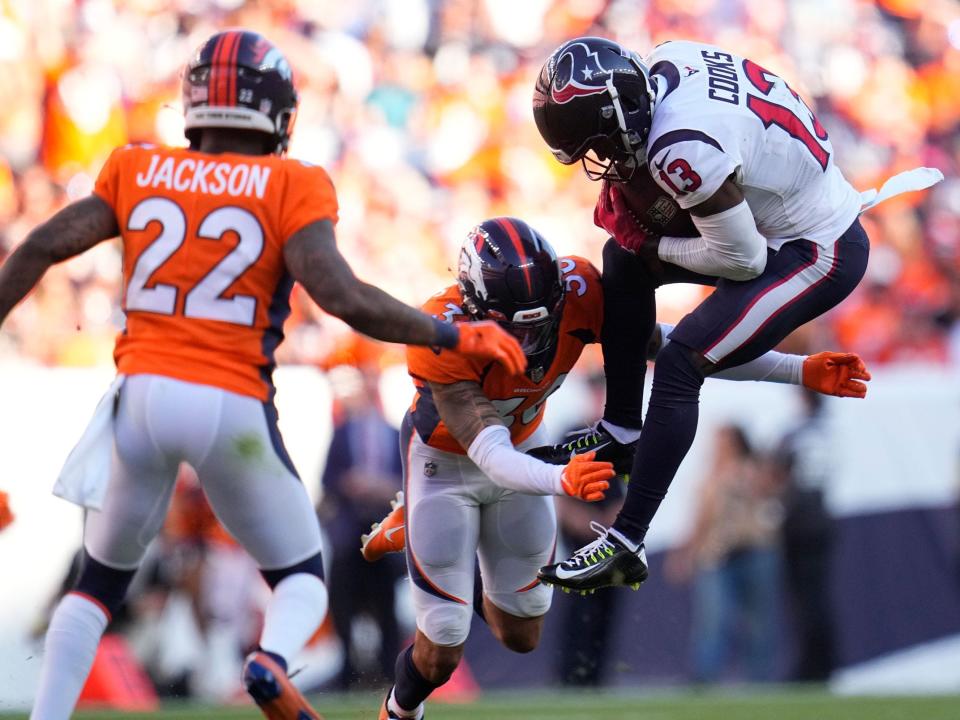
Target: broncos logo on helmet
pixel 471 266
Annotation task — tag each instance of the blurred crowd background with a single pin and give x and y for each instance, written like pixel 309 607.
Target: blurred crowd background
pixel 420 109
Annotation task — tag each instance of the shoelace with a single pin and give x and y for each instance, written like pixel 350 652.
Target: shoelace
pixel 593 552
pixel 584 440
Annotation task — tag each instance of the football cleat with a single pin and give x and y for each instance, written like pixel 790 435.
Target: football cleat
pixel 387 714
pixel 267 683
pixel 606 562
pixel 387 536
pixel 595 438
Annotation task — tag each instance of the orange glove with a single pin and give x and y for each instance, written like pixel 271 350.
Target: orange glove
pixel 485 340
pixel 6 515
pixel 833 373
pixel 586 479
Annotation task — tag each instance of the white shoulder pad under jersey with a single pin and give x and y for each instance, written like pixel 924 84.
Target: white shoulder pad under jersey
pixel 720 115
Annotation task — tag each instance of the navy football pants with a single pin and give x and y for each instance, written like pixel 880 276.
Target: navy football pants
pixel 738 322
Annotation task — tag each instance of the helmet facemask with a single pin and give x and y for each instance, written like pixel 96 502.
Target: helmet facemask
pixel 617 155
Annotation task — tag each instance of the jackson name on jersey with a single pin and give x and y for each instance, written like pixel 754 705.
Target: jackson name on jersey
pixel 206 288
pixel 721 114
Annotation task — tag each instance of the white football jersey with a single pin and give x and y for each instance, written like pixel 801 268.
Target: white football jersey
pixel 723 114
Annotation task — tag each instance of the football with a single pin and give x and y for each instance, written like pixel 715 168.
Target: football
pixel 654 208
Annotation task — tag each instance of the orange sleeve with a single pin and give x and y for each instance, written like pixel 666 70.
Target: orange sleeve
pixel 108 181
pixel 584 293
pixel 441 365
pixel 309 197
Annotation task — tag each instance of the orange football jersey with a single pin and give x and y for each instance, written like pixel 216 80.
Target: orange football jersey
pixel 518 399
pixel 206 290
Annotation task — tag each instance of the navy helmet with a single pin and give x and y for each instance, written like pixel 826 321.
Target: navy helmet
pixel 595 96
pixel 507 272
pixel 239 79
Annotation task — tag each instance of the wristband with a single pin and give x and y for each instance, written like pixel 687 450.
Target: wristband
pixel 447 335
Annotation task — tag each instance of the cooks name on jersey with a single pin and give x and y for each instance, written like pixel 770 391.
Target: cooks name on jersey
pixel 211 177
pixel 722 74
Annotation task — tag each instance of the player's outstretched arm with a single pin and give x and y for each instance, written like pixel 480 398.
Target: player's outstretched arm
pixel 76 228
pixel 314 261
pixel 474 422
pixel 830 373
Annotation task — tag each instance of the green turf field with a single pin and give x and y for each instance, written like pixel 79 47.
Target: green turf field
pixel 731 705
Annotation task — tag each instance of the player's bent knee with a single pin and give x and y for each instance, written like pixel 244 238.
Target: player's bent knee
pixel 520 635
pixel 517 629
pixel 107 585
pixel 522 639
pixel 446 625
pixel 678 360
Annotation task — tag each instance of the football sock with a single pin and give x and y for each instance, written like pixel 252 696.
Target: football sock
pixel 667 435
pixel 294 613
pixel 105 584
pixel 622 435
pixel 69 650
pixel 395 708
pixel 629 317
pixel 624 540
pixel 410 688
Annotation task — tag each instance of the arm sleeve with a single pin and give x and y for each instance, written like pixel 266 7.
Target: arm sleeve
pixel 494 454
pixel 772 366
pixel 729 246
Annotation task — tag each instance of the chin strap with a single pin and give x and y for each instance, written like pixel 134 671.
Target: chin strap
pixel 621 119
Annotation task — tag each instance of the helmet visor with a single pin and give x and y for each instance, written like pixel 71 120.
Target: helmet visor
pixel 534 337
pixel 535 329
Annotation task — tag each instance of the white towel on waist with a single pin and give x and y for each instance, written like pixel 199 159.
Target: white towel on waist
pixel 908 181
pixel 86 472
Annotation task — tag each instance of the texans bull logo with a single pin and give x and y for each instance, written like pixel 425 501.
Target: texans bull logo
pixel 576 59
